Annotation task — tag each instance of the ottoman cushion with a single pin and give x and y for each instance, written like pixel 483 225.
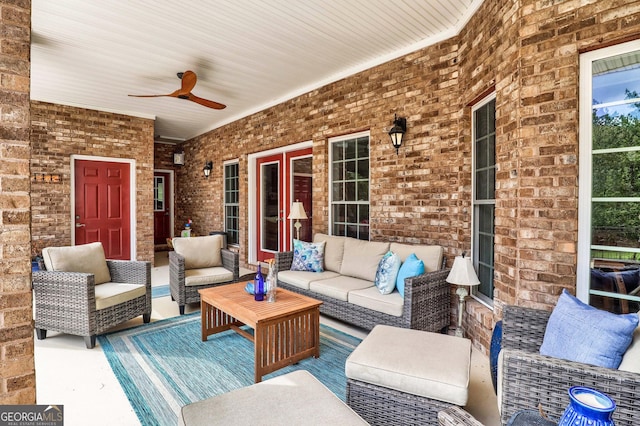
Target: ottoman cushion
pixel 417 362
pixel 294 398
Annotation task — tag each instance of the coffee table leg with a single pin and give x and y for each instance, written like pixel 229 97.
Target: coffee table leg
pixel 257 353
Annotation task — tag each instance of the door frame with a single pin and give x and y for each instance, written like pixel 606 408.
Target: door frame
pixel 132 197
pixel 252 244
pixel 171 197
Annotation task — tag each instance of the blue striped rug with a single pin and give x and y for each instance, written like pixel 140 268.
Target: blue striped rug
pixel 164 365
pixel 160 291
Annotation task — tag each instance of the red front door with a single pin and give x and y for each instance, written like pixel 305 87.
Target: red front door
pixel 102 206
pixel 161 208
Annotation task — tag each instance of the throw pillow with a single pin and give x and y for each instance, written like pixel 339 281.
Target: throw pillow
pixel 308 256
pixel 582 333
pixel 387 272
pixel 411 267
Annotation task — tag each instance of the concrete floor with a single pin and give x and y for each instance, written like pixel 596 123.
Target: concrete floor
pixel 81 379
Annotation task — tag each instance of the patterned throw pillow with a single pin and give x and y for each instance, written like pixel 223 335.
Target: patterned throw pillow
pixel 387 272
pixel 308 256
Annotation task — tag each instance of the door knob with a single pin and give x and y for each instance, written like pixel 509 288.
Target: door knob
pixel 80 225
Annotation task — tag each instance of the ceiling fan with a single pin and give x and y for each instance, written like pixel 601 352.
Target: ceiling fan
pixel 189 80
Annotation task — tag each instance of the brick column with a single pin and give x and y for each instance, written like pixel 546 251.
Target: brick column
pixel 17 381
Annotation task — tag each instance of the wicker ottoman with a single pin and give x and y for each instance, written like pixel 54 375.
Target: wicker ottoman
pixel 403 376
pixel 296 398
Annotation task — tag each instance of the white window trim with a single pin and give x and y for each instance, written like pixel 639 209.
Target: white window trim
pixel 583 265
pixel 330 174
pixel 474 293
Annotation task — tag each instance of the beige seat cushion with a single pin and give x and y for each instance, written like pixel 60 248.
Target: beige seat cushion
pixel 296 398
pixel 333 251
pixel 199 252
pixel 431 256
pixel 361 258
pixel 302 279
pixel 631 358
pixel 203 276
pixel 417 362
pixel 111 294
pixel 339 287
pixel 87 258
pixel 371 298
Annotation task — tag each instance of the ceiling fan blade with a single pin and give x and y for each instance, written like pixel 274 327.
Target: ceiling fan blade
pixel 189 80
pixel 206 102
pixel 175 94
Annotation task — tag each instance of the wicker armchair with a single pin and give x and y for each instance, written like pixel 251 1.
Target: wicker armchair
pixel 185 281
pixel 528 378
pixel 66 301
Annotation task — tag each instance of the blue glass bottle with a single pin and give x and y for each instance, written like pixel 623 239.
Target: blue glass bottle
pixel 258 286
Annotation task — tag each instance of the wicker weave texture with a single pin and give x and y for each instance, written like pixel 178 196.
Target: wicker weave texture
pixel 184 294
pixel 426 302
pixel 383 406
pixel 66 301
pixel 529 379
pixel 456 416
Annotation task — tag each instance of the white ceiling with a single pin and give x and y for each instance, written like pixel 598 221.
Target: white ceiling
pixel 248 54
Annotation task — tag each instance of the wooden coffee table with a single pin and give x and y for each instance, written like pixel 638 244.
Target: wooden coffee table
pixel 284 332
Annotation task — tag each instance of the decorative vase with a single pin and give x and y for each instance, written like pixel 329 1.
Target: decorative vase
pixel 272 283
pixel 588 407
pixel 258 288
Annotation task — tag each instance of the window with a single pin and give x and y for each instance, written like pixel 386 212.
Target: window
pixel 350 186
pixel 609 192
pixel 158 193
pixel 232 203
pixel 484 202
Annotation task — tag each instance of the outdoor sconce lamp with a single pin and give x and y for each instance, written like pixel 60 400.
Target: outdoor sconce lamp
pixel 178 158
pixel 207 169
pixel 397 131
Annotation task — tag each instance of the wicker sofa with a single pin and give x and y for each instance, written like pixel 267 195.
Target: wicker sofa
pixel 348 293
pixel 527 378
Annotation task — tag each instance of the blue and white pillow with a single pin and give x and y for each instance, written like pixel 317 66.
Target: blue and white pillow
pixel 308 256
pixel 582 333
pixel 387 272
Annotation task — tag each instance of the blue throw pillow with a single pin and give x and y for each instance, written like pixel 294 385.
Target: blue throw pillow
pixel 582 333
pixel 308 256
pixel 387 272
pixel 411 267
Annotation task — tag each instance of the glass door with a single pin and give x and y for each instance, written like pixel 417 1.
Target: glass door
pixel 270 205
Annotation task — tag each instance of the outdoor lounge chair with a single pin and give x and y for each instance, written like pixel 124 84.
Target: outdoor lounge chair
pixel 84 294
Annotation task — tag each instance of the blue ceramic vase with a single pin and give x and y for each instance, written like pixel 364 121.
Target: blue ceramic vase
pixel 588 407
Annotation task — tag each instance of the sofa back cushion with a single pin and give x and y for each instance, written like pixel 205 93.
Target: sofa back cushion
pixel 333 251
pixel 87 258
pixel 361 258
pixel 431 256
pixel 199 252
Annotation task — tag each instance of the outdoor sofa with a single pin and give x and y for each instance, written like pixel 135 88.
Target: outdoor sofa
pixel 346 284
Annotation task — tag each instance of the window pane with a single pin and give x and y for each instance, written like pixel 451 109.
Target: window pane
pixel 481 153
pixel 616 174
pixel 338 151
pixel 363 191
pixel 481 185
pixel 338 191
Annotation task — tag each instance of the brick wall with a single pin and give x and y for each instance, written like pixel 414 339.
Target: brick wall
pixel 17 381
pixel 527 52
pixel 58 131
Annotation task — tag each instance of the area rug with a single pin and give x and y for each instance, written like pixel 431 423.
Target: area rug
pixel 164 365
pixel 160 291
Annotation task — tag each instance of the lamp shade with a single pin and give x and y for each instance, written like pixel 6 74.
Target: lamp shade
pixel 462 272
pixel 297 211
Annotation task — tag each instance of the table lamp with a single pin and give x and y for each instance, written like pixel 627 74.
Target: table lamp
pixel 297 212
pixel 463 275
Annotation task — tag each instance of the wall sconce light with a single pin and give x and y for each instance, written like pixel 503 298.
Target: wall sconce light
pixel 397 131
pixel 207 169
pixel 178 158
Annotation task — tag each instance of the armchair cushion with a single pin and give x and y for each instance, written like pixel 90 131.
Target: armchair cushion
pixel 204 276
pixel 111 294
pixel 199 252
pixel 87 258
pixel 582 333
